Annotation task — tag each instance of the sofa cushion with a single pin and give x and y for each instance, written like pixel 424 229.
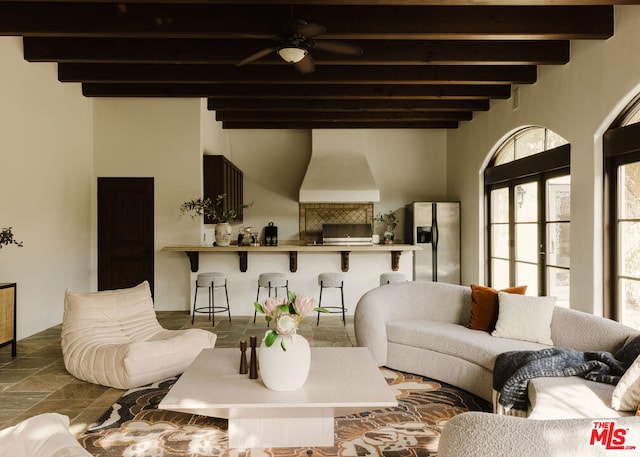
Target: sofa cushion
pixel 475 346
pixel 626 395
pixel 484 306
pixel 525 318
pixel 570 397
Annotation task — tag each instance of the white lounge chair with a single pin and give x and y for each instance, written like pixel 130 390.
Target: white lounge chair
pixel 113 338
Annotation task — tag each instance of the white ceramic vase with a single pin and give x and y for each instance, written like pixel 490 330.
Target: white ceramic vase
pixel 285 370
pixel 223 234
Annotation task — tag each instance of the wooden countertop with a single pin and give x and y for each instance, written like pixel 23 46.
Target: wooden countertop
pixel 293 248
pixel 296 247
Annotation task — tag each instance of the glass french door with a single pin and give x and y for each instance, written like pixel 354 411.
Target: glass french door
pixel 529 224
pixel 628 246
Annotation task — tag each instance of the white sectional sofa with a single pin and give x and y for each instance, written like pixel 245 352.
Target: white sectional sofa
pixel 421 328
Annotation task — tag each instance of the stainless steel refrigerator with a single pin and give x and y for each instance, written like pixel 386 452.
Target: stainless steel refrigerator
pixel 435 226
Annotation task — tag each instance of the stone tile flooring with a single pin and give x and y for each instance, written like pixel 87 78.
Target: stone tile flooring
pixel 36 381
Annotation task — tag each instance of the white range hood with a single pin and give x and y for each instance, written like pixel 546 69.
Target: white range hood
pixel 338 170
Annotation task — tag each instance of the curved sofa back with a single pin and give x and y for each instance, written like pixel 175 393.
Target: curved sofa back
pixel 407 300
pixel 587 332
pixel 452 303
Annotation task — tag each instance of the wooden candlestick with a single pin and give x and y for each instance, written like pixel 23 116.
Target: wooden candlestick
pixel 253 364
pixel 244 369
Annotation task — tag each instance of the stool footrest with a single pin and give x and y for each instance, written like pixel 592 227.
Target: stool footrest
pixel 207 310
pixel 330 308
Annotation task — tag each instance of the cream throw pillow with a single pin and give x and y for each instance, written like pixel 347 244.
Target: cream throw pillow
pixel 626 395
pixel 521 317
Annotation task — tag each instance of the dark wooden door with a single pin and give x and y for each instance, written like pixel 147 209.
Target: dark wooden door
pixel 125 232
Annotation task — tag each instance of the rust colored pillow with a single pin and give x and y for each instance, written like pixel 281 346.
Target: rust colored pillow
pixel 484 306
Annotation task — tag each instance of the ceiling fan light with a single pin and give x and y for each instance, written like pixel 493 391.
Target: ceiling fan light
pixel 292 54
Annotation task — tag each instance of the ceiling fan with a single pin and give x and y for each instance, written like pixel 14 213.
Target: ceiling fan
pixel 294 42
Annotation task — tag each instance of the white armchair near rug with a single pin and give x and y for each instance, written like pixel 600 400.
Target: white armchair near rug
pixel 113 338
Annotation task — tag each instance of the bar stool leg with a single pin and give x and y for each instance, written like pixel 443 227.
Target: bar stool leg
pixel 319 303
pixel 344 321
pixel 195 297
pixel 212 309
pixel 226 292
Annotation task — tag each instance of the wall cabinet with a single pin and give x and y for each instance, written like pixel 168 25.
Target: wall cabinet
pixel 8 316
pixel 220 176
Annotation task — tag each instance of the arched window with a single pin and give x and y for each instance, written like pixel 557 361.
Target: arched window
pixel 622 217
pixel 528 195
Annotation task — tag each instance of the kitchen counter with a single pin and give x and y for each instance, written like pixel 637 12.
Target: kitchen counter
pixel 292 248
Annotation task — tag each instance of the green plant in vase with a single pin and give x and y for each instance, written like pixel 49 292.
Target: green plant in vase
pixel 391 222
pixel 215 211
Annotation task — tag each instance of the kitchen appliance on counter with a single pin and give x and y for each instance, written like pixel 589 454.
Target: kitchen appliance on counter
pixel 347 234
pixel 271 235
pixel 436 227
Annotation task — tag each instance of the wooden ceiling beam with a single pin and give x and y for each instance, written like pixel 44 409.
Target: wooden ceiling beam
pixel 336 105
pixel 374 2
pixel 333 116
pixel 340 125
pixel 210 51
pixel 370 2
pixel 301 92
pixel 350 22
pixel 271 74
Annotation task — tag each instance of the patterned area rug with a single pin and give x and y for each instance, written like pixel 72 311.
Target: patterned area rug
pixel 134 427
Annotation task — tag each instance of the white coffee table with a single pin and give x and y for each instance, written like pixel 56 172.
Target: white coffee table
pixel 341 381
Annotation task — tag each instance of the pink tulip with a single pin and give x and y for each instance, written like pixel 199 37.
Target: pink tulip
pixel 303 305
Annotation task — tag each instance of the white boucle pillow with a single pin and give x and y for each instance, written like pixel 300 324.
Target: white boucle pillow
pixel 526 318
pixel 626 395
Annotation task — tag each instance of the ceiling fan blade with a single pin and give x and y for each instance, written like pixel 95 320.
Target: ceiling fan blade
pixel 339 47
pixel 306 65
pixel 256 36
pixel 310 30
pixel 255 56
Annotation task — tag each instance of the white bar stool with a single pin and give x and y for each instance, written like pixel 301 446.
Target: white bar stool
pixel 392 276
pixel 212 281
pixel 332 280
pixel 271 281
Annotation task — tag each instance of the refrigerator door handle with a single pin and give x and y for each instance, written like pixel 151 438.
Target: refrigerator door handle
pixel 434 244
pixel 435 235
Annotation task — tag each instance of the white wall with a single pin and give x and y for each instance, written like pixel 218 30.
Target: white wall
pixel 46 162
pixel 159 138
pixel 578 101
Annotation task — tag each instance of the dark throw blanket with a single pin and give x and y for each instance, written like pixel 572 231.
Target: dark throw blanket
pixel 513 370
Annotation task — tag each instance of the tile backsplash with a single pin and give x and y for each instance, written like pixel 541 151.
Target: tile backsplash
pixel 313 215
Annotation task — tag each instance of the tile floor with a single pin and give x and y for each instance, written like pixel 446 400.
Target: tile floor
pixel 36 381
